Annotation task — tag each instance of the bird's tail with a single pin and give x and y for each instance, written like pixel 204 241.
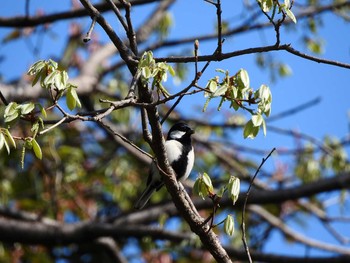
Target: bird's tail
pixel 145 196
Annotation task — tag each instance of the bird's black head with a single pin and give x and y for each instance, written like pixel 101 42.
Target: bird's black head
pixel 180 131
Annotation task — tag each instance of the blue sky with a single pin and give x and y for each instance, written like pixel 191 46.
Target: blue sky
pixel 308 80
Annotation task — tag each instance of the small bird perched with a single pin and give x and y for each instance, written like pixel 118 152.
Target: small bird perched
pixel 179 150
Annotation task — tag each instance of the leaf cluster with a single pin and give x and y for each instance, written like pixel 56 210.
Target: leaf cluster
pixel 271 5
pixel 53 79
pixel 203 187
pixel 157 72
pixel 237 91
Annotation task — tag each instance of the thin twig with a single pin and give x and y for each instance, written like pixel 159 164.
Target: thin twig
pixel 87 38
pixel 124 139
pixel 53 126
pixel 118 14
pixel 218 14
pixel 130 33
pixel 193 83
pixel 245 204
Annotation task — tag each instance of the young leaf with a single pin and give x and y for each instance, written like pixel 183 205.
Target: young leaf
pixel 207 182
pixel 7 146
pixel 243 78
pixel 11 118
pixel 250 131
pixel 26 108
pixel 257 120
pixel 10 109
pixel 171 71
pixel 42 110
pixel 10 138
pixel 229 225
pixel 290 14
pixel 37 149
pixel 233 188
pixel 72 98
pixel 36 67
pixel 2 140
pixel 198 188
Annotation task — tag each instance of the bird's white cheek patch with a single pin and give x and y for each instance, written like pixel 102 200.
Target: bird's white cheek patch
pixel 177 134
pixel 173 150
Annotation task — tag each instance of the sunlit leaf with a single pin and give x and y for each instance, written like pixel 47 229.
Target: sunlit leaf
pixel 10 138
pixel 243 77
pixel 233 188
pixel 36 149
pixel 257 119
pixel 290 14
pixel 26 108
pixel 229 225
pixel 2 140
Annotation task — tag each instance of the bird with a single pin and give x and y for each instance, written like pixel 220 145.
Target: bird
pixel 180 154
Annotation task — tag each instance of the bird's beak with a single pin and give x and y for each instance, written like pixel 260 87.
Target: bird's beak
pixel 191 131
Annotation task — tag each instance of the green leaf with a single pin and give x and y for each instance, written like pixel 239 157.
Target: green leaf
pixel 12 117
pixel 146 72
pixel 53 64
pixel 250 131
pixel 36 149
pixel 265 5
pixel 196 187
pixel 229 225
pixel 171 71
pixel 72 98
pixel 221 191
pixel 212 85
pixel 220 91
pixel 263 93
pixel 207 182
pixel 7 147
pixel 264 127
pixel 290 14
pixel 199 187
pixel 26 108
pixel 36 67
pixel 206 104
pixel 11 112
pixel 233 188
pixel 71 102
pixel 36 79
pixel 10 109
pixel 10 138
pixel 243 78
pixel 284 70
pixel 60 80
pixel 50 79
pixel 287 3
pixel 257 120
pixel 2 140
pixel 42 110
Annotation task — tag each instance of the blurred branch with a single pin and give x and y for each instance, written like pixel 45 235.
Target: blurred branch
pixel 258 197
pixel 295 110
pixel 59 234
pixel 276 258
pixel 25 21
pixel 279 224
